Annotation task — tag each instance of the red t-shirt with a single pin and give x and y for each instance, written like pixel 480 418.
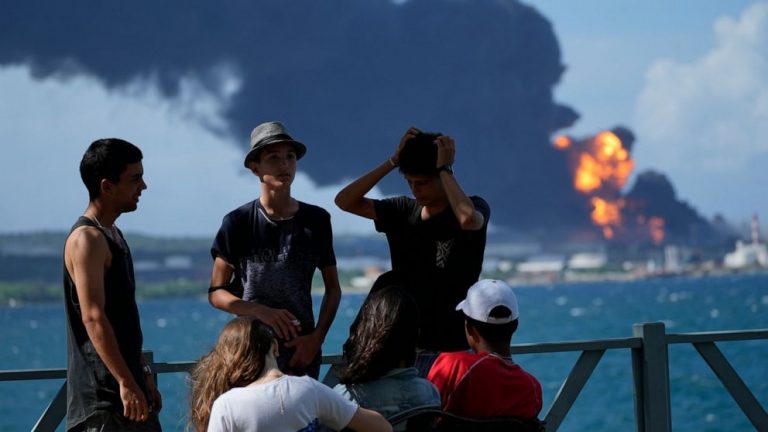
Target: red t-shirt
pixel 482 385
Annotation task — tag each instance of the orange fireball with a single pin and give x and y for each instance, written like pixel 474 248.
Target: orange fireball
pixel 606 214
pixel 562 142
pixel 602 167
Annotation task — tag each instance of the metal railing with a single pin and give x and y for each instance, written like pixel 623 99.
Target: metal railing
pixel 650 369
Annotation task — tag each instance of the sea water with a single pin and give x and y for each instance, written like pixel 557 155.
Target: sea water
pixel 182 329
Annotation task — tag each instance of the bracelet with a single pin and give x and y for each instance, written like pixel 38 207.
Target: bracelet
pixel 147 369
pixel 392 162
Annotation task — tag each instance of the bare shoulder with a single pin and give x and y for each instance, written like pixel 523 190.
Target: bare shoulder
pixel 85 243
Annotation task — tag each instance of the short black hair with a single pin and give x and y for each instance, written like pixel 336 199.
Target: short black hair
pixel 495 333
pixel 106 158
pixel 419 154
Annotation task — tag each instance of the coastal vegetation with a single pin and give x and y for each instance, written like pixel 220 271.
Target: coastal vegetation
pixel 31 264
pixel 20 292
pixel 31 267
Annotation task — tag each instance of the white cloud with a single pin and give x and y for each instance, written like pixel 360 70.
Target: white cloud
pixel 194 175
pixel 705 123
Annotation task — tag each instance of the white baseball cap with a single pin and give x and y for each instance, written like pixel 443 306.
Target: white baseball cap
pixel 485 295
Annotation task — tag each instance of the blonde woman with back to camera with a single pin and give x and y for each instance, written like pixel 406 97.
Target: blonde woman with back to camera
pixel 238 387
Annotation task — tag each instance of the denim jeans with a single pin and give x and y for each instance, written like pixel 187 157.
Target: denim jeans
pixel 398 390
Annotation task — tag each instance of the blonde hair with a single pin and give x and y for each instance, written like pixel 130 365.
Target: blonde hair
pixel 236 361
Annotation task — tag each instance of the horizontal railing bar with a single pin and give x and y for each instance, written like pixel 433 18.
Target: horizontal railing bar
pixel 184 366
pixel 717 336
pixel 528 348
pixel 591 352
pixel 160 367
pixel 173 367
pixel 587 345
pixel 333 359
pixel 32 374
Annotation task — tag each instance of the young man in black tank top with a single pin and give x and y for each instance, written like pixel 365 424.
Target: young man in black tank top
pixel 109 387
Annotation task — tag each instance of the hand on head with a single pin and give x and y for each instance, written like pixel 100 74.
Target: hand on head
pixel 446 150
pixel 409 134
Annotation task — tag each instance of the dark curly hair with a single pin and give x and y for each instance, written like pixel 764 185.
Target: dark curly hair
pixel 419 155
pixel 384 337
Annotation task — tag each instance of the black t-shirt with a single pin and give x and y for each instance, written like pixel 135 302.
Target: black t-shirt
pixel 274 260
pixel 436 261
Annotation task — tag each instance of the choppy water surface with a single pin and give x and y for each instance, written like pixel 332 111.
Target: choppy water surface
pixel 33 336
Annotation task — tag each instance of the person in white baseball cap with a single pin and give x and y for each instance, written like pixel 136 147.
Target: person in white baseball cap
pixel 486 296
pixel 485 382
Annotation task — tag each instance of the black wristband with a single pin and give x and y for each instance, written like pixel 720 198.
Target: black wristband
pixel 447 168
pixel 232 287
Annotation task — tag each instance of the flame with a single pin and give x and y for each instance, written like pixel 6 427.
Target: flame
pixel 656 229
pixel 562 142
pixel 604 161
pixel 601 166
pixel 609 145
pixel 607 214
pixel 588 178
pixel 608 232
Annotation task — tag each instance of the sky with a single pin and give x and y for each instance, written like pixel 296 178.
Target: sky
pixel 689 77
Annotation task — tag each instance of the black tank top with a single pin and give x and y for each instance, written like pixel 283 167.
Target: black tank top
pixel 90 385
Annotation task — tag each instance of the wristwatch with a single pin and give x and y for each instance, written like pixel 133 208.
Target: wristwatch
pixel 447 168
pixel 147 369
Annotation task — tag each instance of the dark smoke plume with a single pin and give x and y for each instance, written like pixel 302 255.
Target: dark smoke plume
pixel 653 196
pixel 347 77
pixel 649 213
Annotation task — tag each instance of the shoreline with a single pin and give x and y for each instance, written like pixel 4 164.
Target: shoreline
pixel 151 292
